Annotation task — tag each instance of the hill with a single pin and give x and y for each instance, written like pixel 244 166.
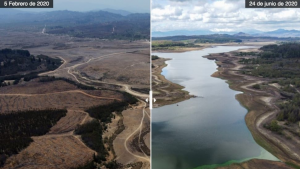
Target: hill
pixel 94 24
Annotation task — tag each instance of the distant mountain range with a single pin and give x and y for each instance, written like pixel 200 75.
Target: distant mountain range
pixel 275 33
pixel 120 12
pixel 181 32
pixel 282 33
pixel 65 16
pixel 115 24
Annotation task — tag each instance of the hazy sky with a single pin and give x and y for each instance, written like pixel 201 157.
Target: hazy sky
pixel 219 15
pixel 141 6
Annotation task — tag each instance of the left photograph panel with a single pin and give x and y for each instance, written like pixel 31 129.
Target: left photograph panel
pixel 74 80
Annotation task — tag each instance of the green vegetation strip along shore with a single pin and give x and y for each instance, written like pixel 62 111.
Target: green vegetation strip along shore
pixel 171 45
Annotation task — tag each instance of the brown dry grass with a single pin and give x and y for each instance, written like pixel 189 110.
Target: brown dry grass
pixel 51 153
pixel 56 94
pixel 68 100
pixel 58 149
pixel 70 121
pixel 35 87
pixel 132 119
pixel 128 68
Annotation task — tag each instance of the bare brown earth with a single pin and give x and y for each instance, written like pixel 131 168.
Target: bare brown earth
pixel 35 87
pixel 130 68
pixel 164 91
pixel 51 152
pixel 136 120
pixel 124 62
pixel 70 122
pixel 74 99
pixel 261 106
pixel 85 60
pixel 60 148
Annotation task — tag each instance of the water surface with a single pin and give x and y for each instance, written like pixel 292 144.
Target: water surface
pixel 201 131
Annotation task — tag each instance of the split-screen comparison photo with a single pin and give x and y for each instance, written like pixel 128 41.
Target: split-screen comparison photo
pixel 150 84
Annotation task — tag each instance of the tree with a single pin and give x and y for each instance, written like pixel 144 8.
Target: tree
pixel 274 126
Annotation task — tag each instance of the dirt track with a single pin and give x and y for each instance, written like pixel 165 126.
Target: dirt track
pixel 125 87
pixel 60 148
pixel 262 107
pixel 135 120
pixel 78 54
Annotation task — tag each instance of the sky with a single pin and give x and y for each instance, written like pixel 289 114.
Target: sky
pixel 219 16
pixel 134 6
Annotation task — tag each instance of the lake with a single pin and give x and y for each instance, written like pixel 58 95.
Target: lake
pixel 206 131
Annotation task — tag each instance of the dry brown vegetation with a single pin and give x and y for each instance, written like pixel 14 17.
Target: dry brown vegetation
pixel 129 68
pixel 35 87
pixel 132 122
pixel 84 60
pixel 51 152
pixel 60 148
pixel 63 100
pixel 70 122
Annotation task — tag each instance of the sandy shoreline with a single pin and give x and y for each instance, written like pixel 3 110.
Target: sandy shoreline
pixel 165 91
pixel 210 45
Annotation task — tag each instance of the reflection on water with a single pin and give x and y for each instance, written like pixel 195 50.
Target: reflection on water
pixel 201 131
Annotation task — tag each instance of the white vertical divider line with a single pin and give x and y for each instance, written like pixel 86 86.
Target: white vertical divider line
pixel 150 100
pixel 150 92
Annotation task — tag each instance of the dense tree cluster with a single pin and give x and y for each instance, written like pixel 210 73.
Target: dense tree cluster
pixel 104 112
pixel 290 110
pixel 246 54
pixel 154 57
pixel 17 78
pixel 286 50
pixel 288 82
pixel 273 126
pixel 275 61
pixel 128 98
pixel 91 134
pixel 218 40
pixel 256 86
pixel 166 44
pixel 141 90
pixel 157 45
pixel 15 61
pixel 17 128
pixel 18 64
pixel 282 63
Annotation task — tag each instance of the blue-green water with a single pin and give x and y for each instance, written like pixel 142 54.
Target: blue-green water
pixel 201 131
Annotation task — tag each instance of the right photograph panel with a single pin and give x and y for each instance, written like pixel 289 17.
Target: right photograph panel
pixel 226 80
